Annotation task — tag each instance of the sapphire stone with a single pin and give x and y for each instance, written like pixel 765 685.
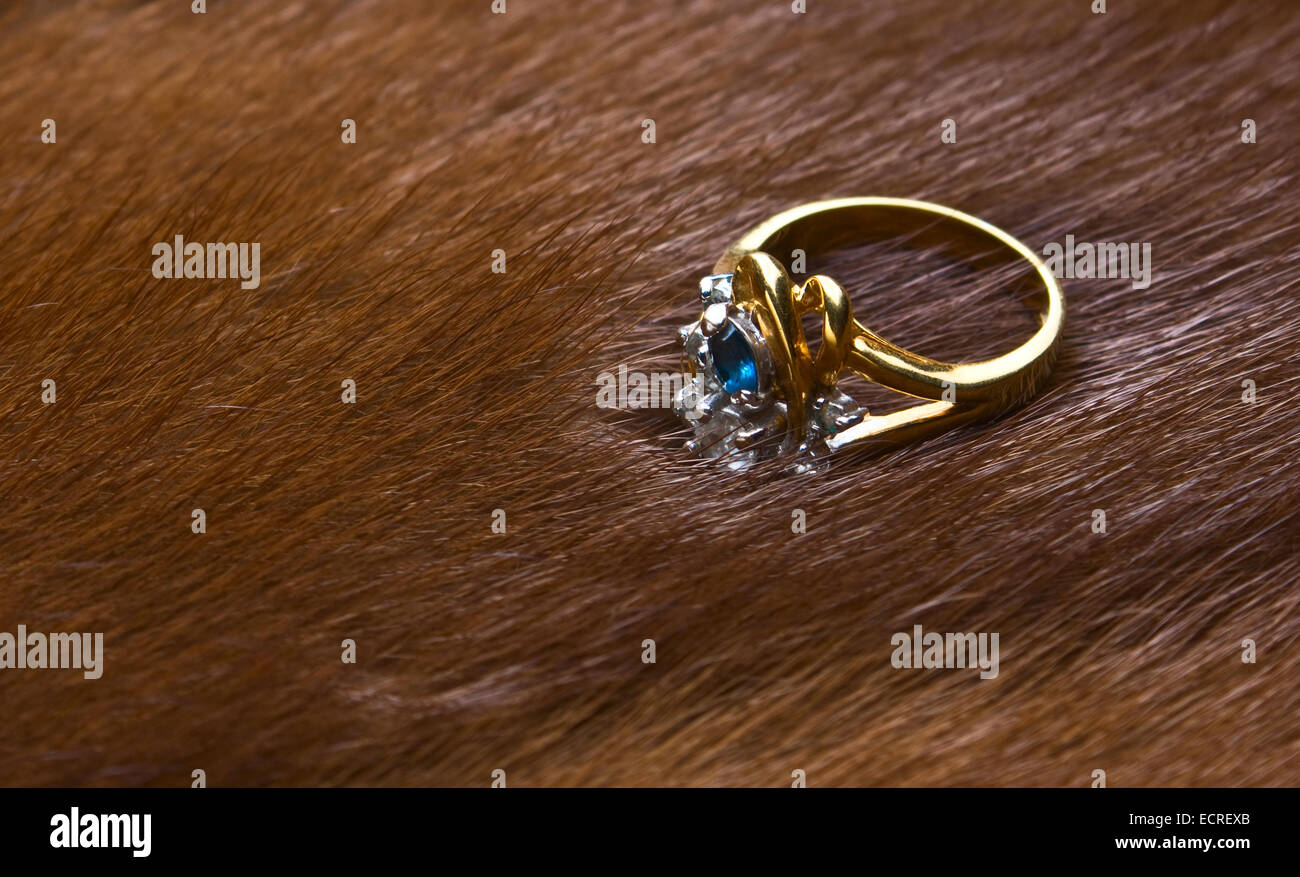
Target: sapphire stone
pixel 733 359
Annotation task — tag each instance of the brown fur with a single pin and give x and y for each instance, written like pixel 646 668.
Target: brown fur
pixel 476 392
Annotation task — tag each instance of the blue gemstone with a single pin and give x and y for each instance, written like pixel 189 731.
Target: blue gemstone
pixel 733 359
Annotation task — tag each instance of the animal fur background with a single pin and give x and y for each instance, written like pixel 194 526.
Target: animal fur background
pixel 476 391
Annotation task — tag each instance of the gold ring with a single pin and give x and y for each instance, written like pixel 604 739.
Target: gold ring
pixel 756 390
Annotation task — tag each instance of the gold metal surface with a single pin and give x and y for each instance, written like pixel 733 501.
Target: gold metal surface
pixel 962 391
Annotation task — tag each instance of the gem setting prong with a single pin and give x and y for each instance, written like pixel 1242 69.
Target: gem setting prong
pixel 737 401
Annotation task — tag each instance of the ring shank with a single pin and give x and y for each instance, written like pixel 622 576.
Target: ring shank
pixel 981 388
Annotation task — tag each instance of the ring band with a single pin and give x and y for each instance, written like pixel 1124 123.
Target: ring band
pixel 756 390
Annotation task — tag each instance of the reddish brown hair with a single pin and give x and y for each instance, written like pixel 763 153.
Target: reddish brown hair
pixel 523 132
